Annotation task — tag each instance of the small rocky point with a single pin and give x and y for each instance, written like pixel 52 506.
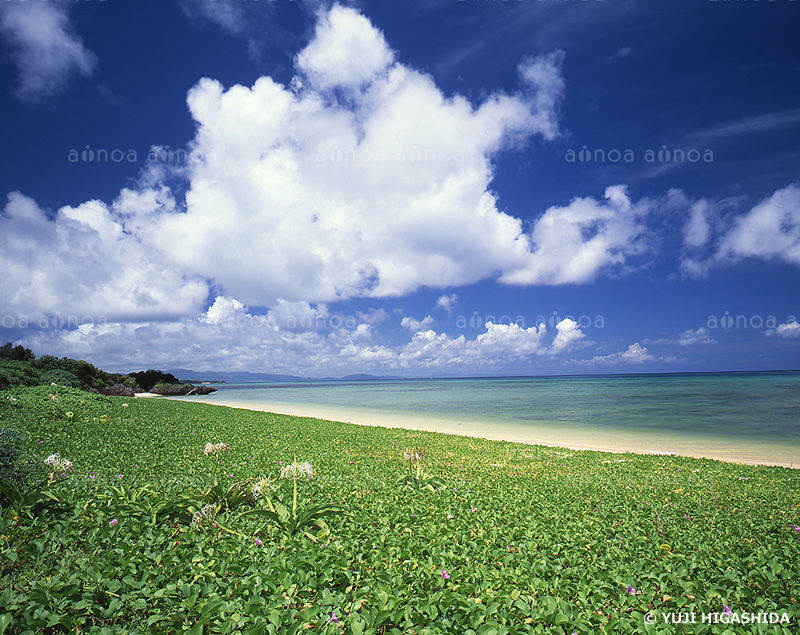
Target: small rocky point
pixel 182 390
pixel 118 390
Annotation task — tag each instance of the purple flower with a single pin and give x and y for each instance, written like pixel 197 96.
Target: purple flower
pixel 258 542
pixel 631 590
pixel 474 509
pixel 334 619
pixel 120 475
pixel 727 611
pixel 795 528
pixel 113 522
pixel 445 575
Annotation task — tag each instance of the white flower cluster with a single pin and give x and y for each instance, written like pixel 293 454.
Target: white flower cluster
pixel 54 398
pixel 209 512
pixel 213 448
pixel 412 457
pixel 57 464
pixel 297 470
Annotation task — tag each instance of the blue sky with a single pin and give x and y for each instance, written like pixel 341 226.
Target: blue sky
pixel 425 188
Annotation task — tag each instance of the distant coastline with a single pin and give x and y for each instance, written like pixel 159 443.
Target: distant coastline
pixel 247 377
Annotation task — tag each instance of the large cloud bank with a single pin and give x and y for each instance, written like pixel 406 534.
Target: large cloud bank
pixel 296 335
pixel 360 179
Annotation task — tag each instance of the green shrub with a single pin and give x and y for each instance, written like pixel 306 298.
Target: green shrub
pixel 60 377
pixel 147 379
pixel 17 373
pixel 46 362
pixel 17 353
pixel 17 465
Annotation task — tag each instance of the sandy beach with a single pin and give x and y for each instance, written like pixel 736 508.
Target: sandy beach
pixel 575 439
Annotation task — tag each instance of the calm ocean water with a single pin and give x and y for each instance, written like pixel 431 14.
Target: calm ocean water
pixel 736 406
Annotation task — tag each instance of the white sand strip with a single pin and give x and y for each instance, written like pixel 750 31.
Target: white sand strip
pixel 569 437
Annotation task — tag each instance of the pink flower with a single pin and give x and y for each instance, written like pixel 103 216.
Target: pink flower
pixel 474 509
pixel 120 475
pixel 728 611
pixel 445 575
pixel 631 590
pixel 334 619
pixel 258 542
pixel 113 522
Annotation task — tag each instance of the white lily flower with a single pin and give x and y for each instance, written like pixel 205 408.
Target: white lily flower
pixel 57 464
pixel 209 512
pixel 297 470
pixel 213 448
pixel 264 484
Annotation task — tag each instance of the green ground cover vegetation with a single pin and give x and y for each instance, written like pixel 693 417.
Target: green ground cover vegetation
pixel 172 517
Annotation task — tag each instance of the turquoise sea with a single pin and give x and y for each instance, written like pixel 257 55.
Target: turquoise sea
pixel 737 411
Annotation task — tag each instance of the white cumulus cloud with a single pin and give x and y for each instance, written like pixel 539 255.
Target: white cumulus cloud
pixel 572 244
pixel 447 302
pixel 347 51
pixel 82 264
pixel 770 230
pixel 376 196
pixel 634 354
pixel 699 336
pixel 47 51
pixel 229 16
pixel 413 325
pixel 787 330
pixel 567 334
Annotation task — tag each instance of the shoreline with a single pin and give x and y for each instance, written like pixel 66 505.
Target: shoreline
pixel 612 441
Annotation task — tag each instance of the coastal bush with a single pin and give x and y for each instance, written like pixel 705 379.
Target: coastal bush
pixel 522 539
pixel 16 373
pixel 147 379
pixel 49 369
pixel 17 353
pixel 61 378
pixel 18 469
